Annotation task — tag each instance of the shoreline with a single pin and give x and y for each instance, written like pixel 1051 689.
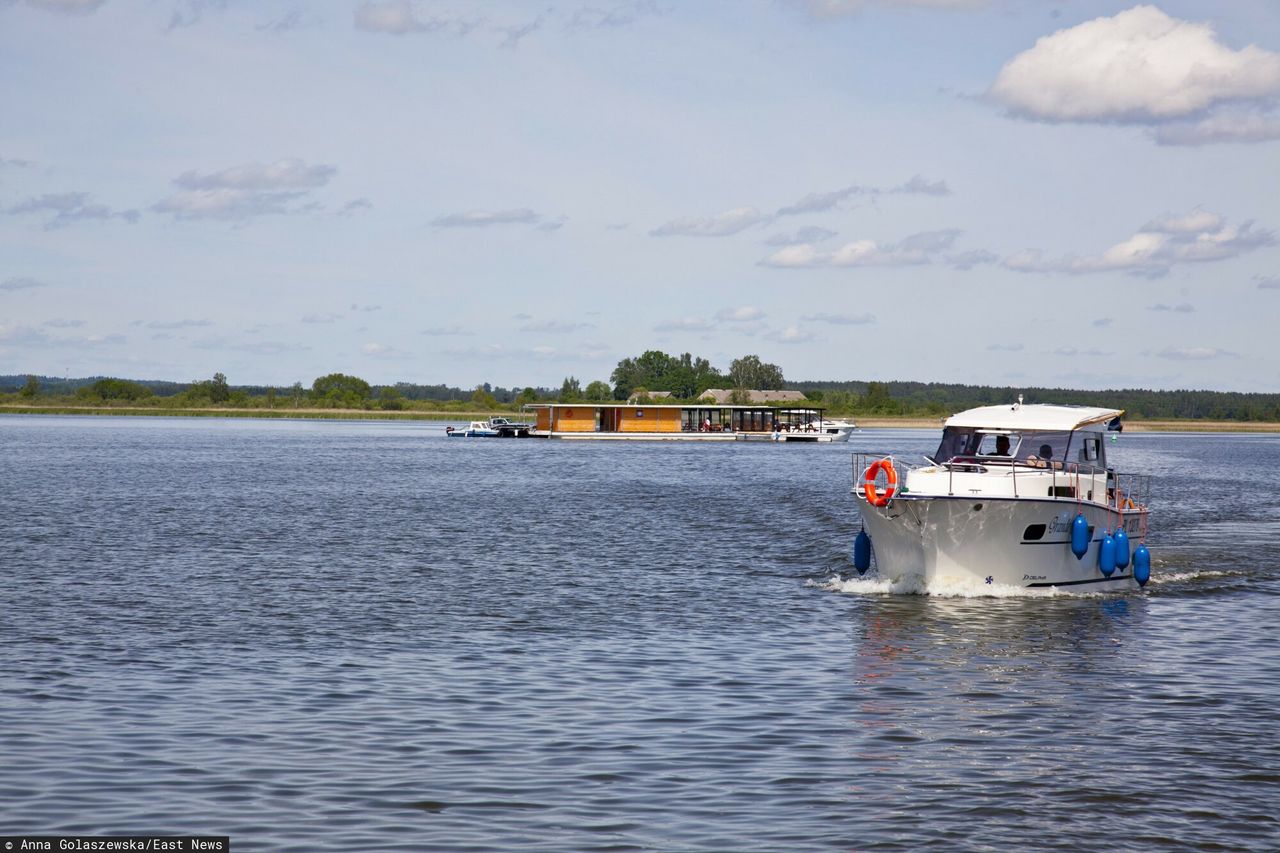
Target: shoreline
pixel 930 423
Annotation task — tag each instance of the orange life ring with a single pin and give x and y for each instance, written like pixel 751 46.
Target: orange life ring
pixel 869 481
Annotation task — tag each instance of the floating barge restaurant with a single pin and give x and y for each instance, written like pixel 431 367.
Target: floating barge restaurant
pixel 627 422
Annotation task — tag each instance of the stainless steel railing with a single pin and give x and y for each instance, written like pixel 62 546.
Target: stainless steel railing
pixel 1124 491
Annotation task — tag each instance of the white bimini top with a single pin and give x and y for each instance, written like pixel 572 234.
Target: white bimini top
pixel 1036 417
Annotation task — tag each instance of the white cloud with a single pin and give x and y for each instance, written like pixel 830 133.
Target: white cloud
pixel 743 314
pixel 1103 322
pixel 354 205
pixel 920 185
pixel 14 333
pixel 968 260
pixel 66 208
pixel 21 283
pixel 819 202
pixel 1004 347
pixel 60 323
pixel 838 8
pixel 287 174
pixel 792 334
pixel 841 319
pixel 446 331
pixel 619 15
pixel 482 218
pixel 1072 351
pixel 252 347
pixel 322 318
pixel 808 234
pixel 1225 125
pixel 919 248
pixel 178 324
pixel 1197 237
pixel 1180 308
pixel 1140 66
pixel 1194 353
pixel 245 191
pixel 1192 223
pixel 684 324
pixel 719 225
pixel 67 7
pixel 554 327
pixel 225 204
pixel 188 13
pixel 384 351
pixel 397 17
pixel 1267 282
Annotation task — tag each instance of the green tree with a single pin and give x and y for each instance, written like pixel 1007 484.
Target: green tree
pixel 877 399
pixel 390 399
pixel 341 391
pixel 528 395
pixel 30 390
pixel 750 372
pixel 114 389
pixel 271 397
pixel 483 399
pixel 598 392
pixel 571 390
pixel 219 391
pixel 684 376
pixel 296 391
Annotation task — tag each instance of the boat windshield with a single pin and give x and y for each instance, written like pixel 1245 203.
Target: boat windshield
pixel 971 443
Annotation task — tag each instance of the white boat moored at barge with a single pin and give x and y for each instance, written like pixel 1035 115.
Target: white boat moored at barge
pixel 998 504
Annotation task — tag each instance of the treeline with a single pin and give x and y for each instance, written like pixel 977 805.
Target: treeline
pixel 334 391
pixel 685 377
pixel 937 398
pixel 57 386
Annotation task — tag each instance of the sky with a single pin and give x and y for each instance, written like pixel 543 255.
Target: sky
pixel 1078 194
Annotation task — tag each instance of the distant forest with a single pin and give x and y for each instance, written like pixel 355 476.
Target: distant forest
pixel 938 398
pixel 57 386
pixel 919 399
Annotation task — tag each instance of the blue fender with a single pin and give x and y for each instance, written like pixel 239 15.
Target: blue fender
pixel 1142 565
pixel 1079 536
pixel 1107 555
pixel 862 552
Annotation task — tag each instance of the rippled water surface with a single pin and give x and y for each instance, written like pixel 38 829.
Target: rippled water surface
pixel 362 636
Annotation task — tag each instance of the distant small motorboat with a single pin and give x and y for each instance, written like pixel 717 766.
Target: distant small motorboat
pixel 477 429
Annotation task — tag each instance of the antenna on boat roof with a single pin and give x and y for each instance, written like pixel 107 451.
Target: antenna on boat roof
pixel 1019 406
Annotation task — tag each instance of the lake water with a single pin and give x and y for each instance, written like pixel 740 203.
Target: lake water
pixel 365 636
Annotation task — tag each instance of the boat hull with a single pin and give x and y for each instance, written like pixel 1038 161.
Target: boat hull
pixel 1015 542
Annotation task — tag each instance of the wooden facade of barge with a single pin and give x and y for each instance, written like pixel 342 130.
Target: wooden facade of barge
pixel 691 422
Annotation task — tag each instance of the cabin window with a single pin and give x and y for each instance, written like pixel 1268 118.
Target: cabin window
pixel 957 441
pixel 1034 532
pixel 998 444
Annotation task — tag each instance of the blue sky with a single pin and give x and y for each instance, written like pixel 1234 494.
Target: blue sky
pixel 1084 194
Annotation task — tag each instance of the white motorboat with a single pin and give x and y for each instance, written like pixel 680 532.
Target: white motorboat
pixel 477 429
pixel 1017 496
pixel 840 428
pixel 495 427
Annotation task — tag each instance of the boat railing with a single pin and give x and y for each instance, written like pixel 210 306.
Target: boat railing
pixel 1124 491
pixel 863 460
